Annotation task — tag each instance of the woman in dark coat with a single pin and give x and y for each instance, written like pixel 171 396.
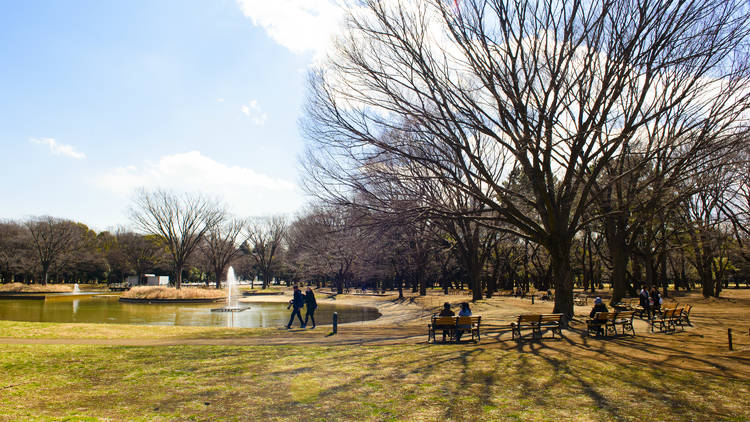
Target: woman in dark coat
pixel 643 297
pixel 311 306
pixel 656 299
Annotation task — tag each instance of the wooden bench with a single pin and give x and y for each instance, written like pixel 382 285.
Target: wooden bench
pixel 684 317
pixel 536 322
pixel 580 300
pixel 608 322
pixel 451 326
pixel 669 319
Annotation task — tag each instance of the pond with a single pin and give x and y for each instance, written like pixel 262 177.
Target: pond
pixel 101 308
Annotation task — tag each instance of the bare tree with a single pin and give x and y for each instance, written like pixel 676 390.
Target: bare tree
pixel 15 249
pixel 553 89
pixel 52 239
pixel 220 246
pixel 180 220
pixel 265 238
pixel 139 251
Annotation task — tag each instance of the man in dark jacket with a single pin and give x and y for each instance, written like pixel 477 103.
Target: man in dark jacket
pixel 296 303
pixel 599 306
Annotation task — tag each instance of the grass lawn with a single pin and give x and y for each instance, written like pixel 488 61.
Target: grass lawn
pixel 52 330
pixel 51 371
pixel 405 382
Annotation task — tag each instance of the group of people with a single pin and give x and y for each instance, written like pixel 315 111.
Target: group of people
pixel 300 300
pixel 650 300
pixel 463 312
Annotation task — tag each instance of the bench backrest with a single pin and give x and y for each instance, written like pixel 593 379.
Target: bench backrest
pixel 605 315
pixel 443 321
pixel 624 315
pixel 468 320
pixel 529 318
pixel 550 318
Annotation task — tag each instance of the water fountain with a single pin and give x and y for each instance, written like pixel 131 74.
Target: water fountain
pixel 76 290
pixel 232 295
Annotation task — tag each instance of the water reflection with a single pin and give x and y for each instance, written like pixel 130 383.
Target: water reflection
pixel 107 309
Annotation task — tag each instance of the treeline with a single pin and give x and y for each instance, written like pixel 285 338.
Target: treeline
pixel 48 249
pixel 348 246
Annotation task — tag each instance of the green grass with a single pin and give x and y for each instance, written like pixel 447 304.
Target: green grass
pixel 409 382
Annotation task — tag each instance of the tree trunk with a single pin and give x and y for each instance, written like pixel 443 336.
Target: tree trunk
pixel 559 250
pixel 619 272
pixel 475 282
pixel 663 276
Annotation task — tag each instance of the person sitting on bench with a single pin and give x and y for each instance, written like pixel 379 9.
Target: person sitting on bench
pixel 599 306
pixel 446 312
pixel 464 312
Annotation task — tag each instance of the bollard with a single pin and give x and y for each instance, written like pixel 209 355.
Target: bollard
pixel 729 334
pixel 532 299
pixel 335 322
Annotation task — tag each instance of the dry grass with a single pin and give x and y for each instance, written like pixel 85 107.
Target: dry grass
pixel 362 383
pixel 112 332
pixel 35 288
pixel 169 293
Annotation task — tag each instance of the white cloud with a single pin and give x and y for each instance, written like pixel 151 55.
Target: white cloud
pixel 219 100
pixel 245 191
pixel 298 25
pixel 254 112
pixel 59 149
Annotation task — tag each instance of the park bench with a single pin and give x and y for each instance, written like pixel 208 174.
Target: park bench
pixel 452 325
pixel 536 323
pixel 630 305
pixel 609 321
pixel 684 316
pixel 119 287
pixel 580 300
pixel 452 291
pixel 669 319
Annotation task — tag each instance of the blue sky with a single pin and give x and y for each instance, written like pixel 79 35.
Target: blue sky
pixel 98 98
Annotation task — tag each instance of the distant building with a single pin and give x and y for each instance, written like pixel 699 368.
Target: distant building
pixel 149 280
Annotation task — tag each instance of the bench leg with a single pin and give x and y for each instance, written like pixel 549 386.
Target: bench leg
pixel 536 332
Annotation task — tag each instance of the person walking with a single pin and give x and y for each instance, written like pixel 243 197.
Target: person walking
pixel 297 302
pixel 643 298
pixel 311 306
pixel 655 301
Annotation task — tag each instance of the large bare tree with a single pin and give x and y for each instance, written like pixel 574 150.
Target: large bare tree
pixel 180 220
pixel 15 250
pixel 220 246
pixel 265 237
pixel 52 239
pixel 554 89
